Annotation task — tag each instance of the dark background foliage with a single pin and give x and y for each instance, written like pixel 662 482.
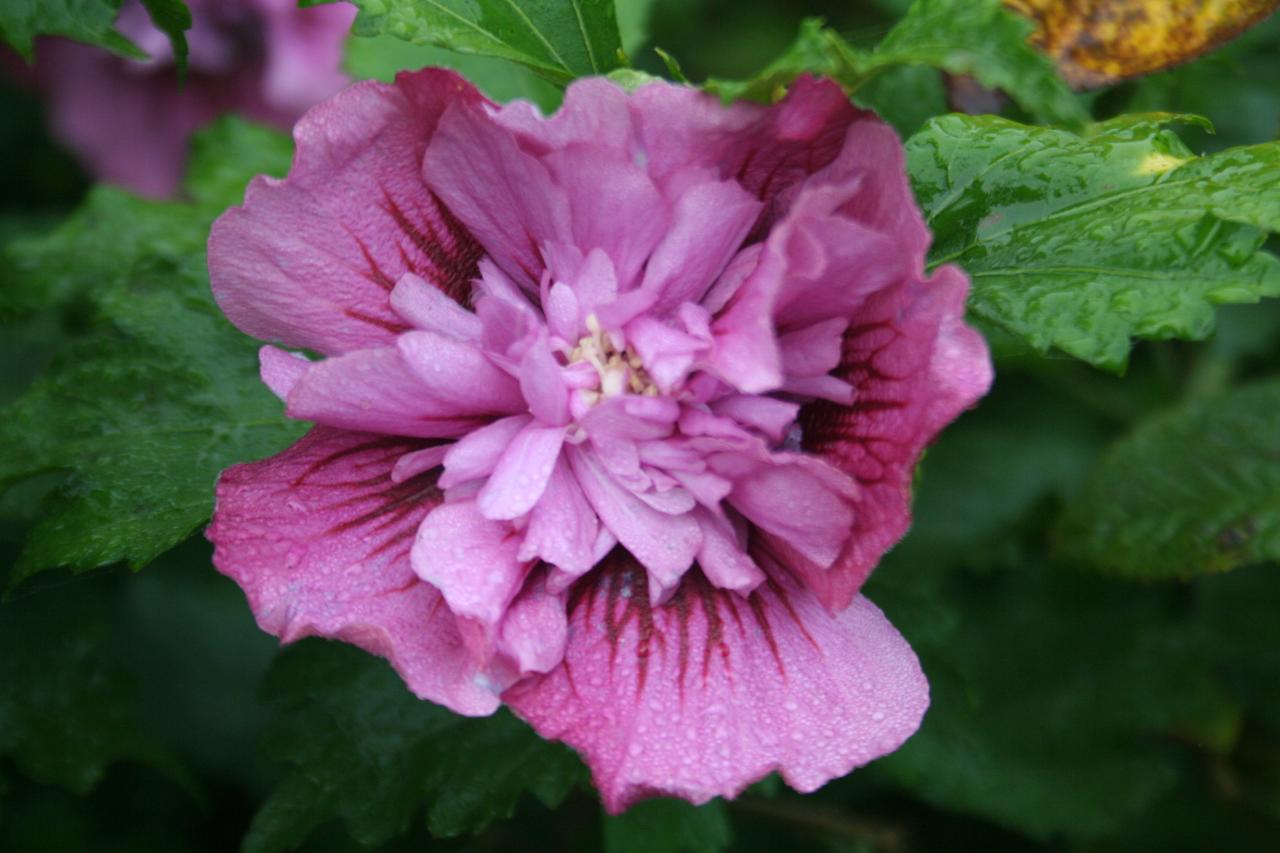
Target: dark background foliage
pixel 1090 582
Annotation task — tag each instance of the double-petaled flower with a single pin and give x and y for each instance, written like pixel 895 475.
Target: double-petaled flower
pixel 128 120
pixel 615 412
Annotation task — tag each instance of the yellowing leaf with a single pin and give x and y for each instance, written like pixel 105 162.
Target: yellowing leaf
pixel 1096 42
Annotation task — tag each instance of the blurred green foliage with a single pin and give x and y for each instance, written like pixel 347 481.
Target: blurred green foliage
pixel 1072 709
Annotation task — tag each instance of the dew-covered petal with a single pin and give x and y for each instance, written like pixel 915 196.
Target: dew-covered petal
pixel 505 196
pixel 376 390
pixel 522 472
pixel 310 260
pixel 431 309
pixel 478 452
pixel 794 503
pixel 534 630
pixel 710 222
pixel 318 537
pixel 459 374
pixel 771 416
pixel 542 386
pixel 563 528
pixel 710 692
pixel 281 370
pixel 419 461
pixel 915 366
pixel 723 556
pixel 613 206
pixel 664 544
pixel 471 560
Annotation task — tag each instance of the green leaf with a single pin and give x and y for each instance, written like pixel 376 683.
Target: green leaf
pixel 1056 699
pixel 91 22
pixel 173 18
pixel 668 826
pixel 1191 491
pixel 68 707
pixel 381 57
pixel 88 21
pixel 363 748
pixel 559 39
pixel 133 412
pixel 974 37
pixel 1083 242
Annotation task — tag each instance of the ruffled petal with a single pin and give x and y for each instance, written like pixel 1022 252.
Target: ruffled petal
pixel 563 528
pixel 915 365
pixel 709 224
pixel 520 477
pixel 318 538
pixel 310 260
pixel 376 390
pixel 471 560
pixel 506 197
pixel 459 376
pixel 664 544
pixel 710 692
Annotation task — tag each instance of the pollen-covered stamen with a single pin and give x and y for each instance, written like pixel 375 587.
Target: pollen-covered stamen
pixel 621 371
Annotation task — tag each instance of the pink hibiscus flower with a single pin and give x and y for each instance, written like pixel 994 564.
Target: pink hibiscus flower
pixel 618 410
pixel 128 121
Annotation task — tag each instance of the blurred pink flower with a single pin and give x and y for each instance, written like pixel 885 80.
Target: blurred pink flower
pixel 617 411
pixel 129 121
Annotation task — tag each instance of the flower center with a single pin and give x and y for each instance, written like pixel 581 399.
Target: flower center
pixel 621 371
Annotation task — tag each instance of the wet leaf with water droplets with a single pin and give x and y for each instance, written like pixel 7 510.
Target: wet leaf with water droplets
pixel 1194 490
pixel 132 413
pixel 1083 242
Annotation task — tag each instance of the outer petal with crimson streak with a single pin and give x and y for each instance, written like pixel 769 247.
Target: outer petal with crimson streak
pixel 711 691
pixel 310 261
pixel 319 538
pixel 914 366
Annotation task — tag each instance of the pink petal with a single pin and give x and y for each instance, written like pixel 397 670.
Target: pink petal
pixel 884 201
pixel 667 353
pixel 374 391
pixel 794 504
pixel 664 544
pixel 506 197
pixel 431 309
pixel 711 220
pixel 522 472
pixel 564 319
pixel 471 560
pixel 723 557
pixel 771 416
pixel 281 370
pixel 534 629
pixel 318 537
pixel 459 375
pixel 543 388
pixel 914 366
pixel 310 260
pixel 613 206
pixel 594 110
pixel 710 692
pixel 813 350
pixel 478 452
pixel 769 150
pixel 419 462
pixel 563 527
pixel 746 351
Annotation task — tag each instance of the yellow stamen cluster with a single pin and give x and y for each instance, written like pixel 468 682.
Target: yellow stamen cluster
pixel 621 371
